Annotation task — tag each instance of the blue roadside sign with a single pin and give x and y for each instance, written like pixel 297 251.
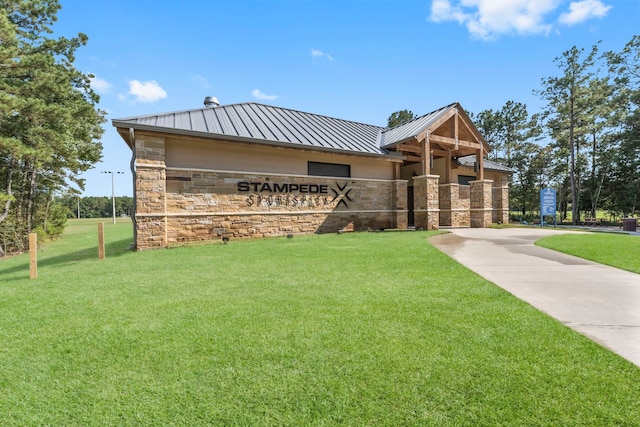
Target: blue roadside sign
pixel 547 204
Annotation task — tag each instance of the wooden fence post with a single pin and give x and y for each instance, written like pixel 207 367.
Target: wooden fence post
pixel 101 240
pixel 33 255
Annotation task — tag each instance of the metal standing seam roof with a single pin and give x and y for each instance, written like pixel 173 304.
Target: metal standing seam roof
pixel 470 161
pixel 412 128
pixel 267 124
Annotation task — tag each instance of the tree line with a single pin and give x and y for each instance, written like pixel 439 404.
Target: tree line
pixel 585 142
pixel 95 206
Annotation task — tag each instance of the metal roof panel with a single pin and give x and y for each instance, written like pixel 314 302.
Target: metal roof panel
pixel 412 128
pixel 470 161
pixel 274 125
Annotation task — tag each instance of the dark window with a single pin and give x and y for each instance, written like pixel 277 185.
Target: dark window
pixel 464 179
pixel 329 169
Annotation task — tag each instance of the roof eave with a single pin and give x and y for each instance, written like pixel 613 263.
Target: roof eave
pixel 119 124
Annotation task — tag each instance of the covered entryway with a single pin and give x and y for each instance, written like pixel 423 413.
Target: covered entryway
pixel 432 146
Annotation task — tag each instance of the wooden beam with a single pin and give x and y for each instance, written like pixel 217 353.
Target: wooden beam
pixel 414 159
pixel 421 136
pixel 423 156
pixel 455 128
pixel 442 120
pixel 427 156
pixel 410 148
pixel 480 164
pixel 452 142
pixel 476 133
pixel 441 153
pixel 447 168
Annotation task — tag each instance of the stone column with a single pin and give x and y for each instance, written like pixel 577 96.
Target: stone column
pixel 454 206
pixel 481 203
pixel 501 201
pixel 151 201
pixel 399 200
pixel 447 193
pixel 426 202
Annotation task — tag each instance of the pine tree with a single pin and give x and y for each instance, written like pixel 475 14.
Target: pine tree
pixel 50 125
pixel 567 107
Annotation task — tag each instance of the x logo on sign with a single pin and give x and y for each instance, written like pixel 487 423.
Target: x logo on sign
pixel 342 194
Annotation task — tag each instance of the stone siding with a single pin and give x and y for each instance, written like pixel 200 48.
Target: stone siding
pixel 454 205
pixel 401 217
pixel 176 205
pixel 197 205
pixel 241 226
pixel 501 205
pixel 481 203
pixel 426 202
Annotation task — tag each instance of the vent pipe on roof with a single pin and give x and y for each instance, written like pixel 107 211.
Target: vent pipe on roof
pixel 211 101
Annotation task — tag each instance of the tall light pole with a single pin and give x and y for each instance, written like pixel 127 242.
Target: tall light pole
pixel 113 194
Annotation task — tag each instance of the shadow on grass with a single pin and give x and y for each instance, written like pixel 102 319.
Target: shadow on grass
pixel 112 250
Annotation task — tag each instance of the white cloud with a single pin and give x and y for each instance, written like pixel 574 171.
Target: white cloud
pixel 315 53
pixel 203 81
pixel 147 92
pixel 100 85
pixel 580 11
pixel 257 93
pixel 487 19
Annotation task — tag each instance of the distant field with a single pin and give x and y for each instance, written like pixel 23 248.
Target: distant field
pixel 617 250
pixel 352 329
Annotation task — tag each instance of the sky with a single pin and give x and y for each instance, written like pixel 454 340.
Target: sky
pixel 358 60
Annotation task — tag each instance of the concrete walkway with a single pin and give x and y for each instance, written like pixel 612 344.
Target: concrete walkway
pixel 600 302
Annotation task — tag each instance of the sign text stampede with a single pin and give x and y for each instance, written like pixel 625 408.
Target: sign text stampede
pixel 274 194
pixel 289 194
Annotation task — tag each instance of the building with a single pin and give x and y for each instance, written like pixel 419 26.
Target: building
pixel 253 170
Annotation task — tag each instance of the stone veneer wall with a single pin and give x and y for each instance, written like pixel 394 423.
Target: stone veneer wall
pixel 182 205
pixel 481 203
pixel 401 217
pixel 501 201
pixel 205 205
pixel 177 205
pixel 426 202
pixel 151 193
pixel 454 205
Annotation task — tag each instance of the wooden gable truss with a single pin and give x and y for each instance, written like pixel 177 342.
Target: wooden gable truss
pixel 451 136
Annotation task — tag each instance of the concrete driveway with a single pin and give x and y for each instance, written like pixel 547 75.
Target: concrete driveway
pixel 600 302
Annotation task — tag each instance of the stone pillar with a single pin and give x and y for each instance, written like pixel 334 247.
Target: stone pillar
pixel 481 203
pixel 151 201
pixel 447 193
pixel 399 200
pixel 426 202
pixel 454 206
pixel 501 201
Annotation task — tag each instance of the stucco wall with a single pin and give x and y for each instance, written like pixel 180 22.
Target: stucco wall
pixel 236 156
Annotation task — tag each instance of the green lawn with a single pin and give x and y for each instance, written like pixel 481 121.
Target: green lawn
pixel 353 329
pixel 617 250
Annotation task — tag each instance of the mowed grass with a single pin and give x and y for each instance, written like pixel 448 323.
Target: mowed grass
pixel 617 250
pixel 352 329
